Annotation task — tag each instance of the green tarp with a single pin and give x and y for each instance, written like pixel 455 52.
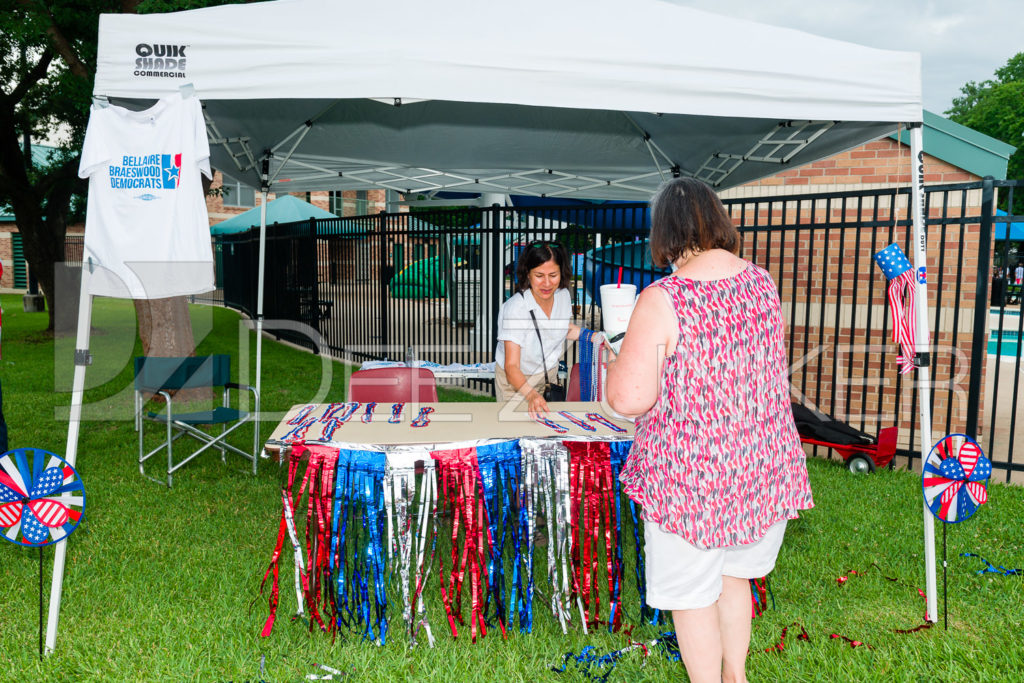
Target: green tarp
pixel 423 279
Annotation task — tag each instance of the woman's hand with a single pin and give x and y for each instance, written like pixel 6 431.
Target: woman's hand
pixel 536 404
pixel 611 355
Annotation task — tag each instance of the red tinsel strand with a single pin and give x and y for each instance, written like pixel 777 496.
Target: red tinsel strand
pixel 461 488
pixel 874 565
pixel 608 504
pixel 468 549
pixel 458 573
pixel 311 584
pixel 851 641
pixel 579 526
pixel 282 531
pixel 758 596
pixel 447 496
pixel 446 600
pixel 450 498
pixel 591 529
pixel 325 497
pixel 474 547
pixel 575 538
pixel 317 553
pixel 592 495
pixel 594 505
pixel 782 638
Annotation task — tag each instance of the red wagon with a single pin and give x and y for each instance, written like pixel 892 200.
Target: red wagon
pixel 861 452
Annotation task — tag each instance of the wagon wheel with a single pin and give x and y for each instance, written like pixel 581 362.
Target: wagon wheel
pixel 860 464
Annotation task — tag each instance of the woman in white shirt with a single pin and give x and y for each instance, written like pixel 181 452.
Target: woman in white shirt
pixel 542 278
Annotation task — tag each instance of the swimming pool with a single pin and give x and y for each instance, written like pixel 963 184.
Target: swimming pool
pixel 1010 338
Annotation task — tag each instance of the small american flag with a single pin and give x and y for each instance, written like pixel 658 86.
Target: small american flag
pixel 897 269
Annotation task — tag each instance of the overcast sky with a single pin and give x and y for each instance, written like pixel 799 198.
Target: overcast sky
pixel 959 40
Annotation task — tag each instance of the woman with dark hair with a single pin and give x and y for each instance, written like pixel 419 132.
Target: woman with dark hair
pixel 537 316
pixel 716 461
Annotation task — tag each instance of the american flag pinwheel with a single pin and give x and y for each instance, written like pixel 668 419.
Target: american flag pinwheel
pixel 42 498
pixel 954 478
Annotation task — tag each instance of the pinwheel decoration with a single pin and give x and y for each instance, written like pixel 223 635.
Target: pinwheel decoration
pixel 42 498
pixel 954 478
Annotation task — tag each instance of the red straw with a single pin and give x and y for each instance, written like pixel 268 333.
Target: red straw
pixel 619 285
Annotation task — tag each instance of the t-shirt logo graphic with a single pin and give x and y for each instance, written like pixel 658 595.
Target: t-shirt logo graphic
pixel 147 172
pixel 170 165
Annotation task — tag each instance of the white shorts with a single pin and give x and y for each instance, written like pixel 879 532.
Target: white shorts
pixel 682 576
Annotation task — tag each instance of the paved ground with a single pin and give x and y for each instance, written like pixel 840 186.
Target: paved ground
pixel 998 444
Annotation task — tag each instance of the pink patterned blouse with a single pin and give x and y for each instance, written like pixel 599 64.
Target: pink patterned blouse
pixel 717 459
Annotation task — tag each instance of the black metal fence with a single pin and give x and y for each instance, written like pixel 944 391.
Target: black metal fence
pixel 371 287
pixel 1005 323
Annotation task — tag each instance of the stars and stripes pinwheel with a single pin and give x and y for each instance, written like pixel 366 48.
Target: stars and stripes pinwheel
pixel 897 269
pixel 42 499
pixel 954 478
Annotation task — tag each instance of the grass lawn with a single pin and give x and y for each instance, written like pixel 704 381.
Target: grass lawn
pixel 163 585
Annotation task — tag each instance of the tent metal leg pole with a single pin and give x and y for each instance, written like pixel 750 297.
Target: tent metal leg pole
pixel 71 451
pixel 259 285
pixel 923 342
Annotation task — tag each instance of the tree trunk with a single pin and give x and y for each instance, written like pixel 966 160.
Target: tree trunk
pixel 41 214
pixel 43 241
pixel 165 329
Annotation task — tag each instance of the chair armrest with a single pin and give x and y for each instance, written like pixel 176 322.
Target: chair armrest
pixel 242 387
pixel 167 401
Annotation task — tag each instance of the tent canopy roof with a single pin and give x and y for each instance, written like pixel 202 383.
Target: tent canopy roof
pixel 582 98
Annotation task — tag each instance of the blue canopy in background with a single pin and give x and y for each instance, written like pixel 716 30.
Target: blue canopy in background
pixel 1016 229
pixel 632 217
pixel 286 209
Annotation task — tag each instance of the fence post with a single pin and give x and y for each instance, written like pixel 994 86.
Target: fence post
pixel 314 299
pixel 382 271
pixel 498 292
pixel 979 341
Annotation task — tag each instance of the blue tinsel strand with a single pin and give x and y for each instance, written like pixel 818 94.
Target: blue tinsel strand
pixel 587 376
pixel 359 493
pixel 990 568
pixel 499 466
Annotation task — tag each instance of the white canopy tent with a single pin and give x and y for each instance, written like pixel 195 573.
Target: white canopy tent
pixel 573 98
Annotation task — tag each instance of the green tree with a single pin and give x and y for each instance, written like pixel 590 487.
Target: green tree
pixel 996 107
pixel 47 68
pixel 46 57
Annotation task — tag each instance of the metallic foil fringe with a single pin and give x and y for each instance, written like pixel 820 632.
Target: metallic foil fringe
pixel 374 516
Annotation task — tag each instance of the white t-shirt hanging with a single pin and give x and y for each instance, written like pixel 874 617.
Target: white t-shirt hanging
pixel 146 227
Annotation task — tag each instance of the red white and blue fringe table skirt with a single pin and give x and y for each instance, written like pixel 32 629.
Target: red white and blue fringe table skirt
pixel 374 515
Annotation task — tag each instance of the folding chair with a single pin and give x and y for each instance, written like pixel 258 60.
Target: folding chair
pixel 160 376
pixel 394 385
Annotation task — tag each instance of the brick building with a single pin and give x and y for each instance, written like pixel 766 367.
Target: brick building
pixel 836 308
pixel 236 198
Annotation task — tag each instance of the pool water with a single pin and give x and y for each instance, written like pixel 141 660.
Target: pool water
pixel 1010 338
pixel 1009 345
